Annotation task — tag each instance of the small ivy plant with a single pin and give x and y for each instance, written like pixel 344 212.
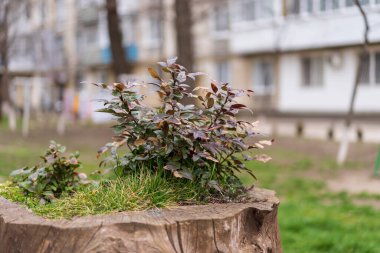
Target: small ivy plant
pixel 204 143
pixel 56 174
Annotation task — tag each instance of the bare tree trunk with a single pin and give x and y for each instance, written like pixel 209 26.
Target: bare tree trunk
pixel 183 25
pixel 5 101
pixel 4 93
pixel 185 47
pixel 233 227
pixel 119 63
pixel 343 148
pixel 162 15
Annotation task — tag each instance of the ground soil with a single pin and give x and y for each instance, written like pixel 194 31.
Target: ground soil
pixel 355 181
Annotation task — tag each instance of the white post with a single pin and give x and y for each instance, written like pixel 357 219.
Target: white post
pixel 12 119
pixel 61 124
pixel 26 114
pixel 343 147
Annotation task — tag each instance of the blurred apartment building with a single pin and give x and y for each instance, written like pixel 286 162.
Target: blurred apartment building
pixel 299 56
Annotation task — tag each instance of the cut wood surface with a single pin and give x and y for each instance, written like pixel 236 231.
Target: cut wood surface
pixel 231 227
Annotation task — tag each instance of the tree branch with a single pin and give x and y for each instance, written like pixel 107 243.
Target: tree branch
pixel 364 53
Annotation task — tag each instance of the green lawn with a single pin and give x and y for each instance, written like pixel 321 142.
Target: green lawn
pixel 312 219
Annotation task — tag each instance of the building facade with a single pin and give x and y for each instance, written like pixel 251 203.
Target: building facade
pixel 299 56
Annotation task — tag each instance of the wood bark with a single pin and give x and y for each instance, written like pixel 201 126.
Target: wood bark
pixel 119 63
pixel 232 227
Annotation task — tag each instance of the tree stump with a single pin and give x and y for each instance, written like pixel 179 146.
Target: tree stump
pixel 231 227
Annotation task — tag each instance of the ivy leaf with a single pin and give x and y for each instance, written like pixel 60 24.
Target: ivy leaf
pixel 171 167
pixel 154 74
pixel 210 102
pixel 183 174
pixel 194 75
pixel 200 88
pixel 163 64
pixel 101 151
pixel 181 77
pixel 238 106
pixel 119 86
pixel 247 157
pixel 214 87
pixel 171 61
pixel 200 135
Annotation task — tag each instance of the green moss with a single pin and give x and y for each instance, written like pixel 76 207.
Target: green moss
pixel 15 194
pixel 134 192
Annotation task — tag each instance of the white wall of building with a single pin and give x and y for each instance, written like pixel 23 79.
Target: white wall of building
pixel 341 27
pixel 335 92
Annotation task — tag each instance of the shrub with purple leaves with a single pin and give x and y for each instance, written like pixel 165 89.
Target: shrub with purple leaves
pixel 203 142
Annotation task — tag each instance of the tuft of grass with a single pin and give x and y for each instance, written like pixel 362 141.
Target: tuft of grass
pixel 139 191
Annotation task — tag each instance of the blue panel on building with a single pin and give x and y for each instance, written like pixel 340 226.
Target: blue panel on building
pixel 131 53
pixel 106 55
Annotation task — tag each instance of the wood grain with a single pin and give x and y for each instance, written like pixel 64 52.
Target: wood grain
pixel 231 227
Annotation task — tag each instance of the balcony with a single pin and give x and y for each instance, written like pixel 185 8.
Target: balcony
pixel 321 29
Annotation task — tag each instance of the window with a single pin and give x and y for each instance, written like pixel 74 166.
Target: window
pixel 247 10
pixel 370 72
pixel 81 4
pixel 296 7
pixel 59 48
pixel 154 30
pixel 264 9
pixel 42 11
pixel 364 2
pixel 312 71
pixel 223 71
pixel 221 18
pixel 60 11
pixel 128 26
pixel 327 5
pixel 350 3
pixel 365 69
pixel 87 38
pixel 91 35
pixel 251 10
pixel 377 68
pixel 28 10
pixel 263 77
pixel 310 6
pixel 293 7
